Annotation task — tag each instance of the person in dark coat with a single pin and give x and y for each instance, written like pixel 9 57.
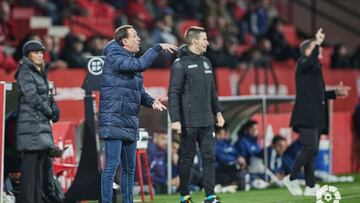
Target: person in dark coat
pixel 72 53
pixel 310 113
pixel 194 106
pixel 121 94
pixel 33 131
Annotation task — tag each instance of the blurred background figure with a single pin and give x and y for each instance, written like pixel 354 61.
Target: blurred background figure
pixel 72 52
pixel 340 58
pixel 230 166
pixel 247 145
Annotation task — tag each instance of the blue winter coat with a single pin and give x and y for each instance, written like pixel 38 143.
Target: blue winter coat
pixel 122 91
pixel 247 147
pixel 225 152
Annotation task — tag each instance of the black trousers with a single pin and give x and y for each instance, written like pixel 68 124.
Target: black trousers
pixel 229 175
pixel 31 182
pixel 309 138
pixel 204 137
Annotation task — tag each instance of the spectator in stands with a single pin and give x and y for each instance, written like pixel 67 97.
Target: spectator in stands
pixel 121 94
pixel 215 52
pixel 157 157
pixel 6 35
pixel 7 49
pixel 247 145
pixel 271 11
pixel 256 19
pixel 72 52
pixel 36 109
pixel 188 9
pixel 281 50
pixel 211 27
pixel 230 166
pixel 231 44
pixel 118 4
pixel 7 62
pixel 136 7
pixel 138 22
pixel 47 7
pixel 94 46
pixel 51 54
pixel 159 7
pixel 163 33
pixel 355 58
pixel 97 8
pixel 275 154
pixel 340 58
pixel 290 154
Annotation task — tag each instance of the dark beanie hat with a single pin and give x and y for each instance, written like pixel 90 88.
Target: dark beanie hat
pixel 32 45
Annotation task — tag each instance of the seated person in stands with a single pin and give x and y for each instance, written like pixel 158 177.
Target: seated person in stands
pixel 247 145
pixel 275 154
pixel 157 157
pixel 230 167
pixel 290 155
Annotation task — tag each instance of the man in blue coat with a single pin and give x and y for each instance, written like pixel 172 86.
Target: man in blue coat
pixel 121 94
pixel 247 145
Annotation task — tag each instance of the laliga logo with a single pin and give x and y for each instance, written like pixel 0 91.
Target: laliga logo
pixel 95 65
pixel 328 193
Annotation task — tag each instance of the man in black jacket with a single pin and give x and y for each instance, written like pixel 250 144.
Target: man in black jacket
pixel 193 105
pixel 310 114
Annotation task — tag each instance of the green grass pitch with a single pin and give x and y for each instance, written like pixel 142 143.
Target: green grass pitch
pixel 350 193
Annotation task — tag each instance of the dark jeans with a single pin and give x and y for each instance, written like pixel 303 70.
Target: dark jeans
pixel 31 182
pixel 204 136
pixel 116 151
pixel 309 138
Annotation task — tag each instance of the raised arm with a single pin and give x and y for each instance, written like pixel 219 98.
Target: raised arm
pixel 310 61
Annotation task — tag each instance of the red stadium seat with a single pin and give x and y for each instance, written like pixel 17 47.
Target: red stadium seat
pixel 89 26
pixel 290 35
pixel 23 12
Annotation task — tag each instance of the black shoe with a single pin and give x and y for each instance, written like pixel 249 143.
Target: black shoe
pixel 187 199
pixel 216 199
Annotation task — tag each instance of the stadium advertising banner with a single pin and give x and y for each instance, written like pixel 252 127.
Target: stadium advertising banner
pixel 2 135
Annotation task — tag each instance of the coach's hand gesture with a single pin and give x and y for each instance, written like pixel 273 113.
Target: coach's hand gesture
pixel 157 105
pixel 341 90
pixel 168 47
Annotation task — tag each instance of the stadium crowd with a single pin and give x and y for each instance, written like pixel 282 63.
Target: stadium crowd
pixel 240 32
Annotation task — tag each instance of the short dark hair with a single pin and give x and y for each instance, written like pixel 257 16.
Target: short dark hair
pixel 246 127
pixel 121 33
pixel 277 139
pixel 193 32
pixel 305 45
